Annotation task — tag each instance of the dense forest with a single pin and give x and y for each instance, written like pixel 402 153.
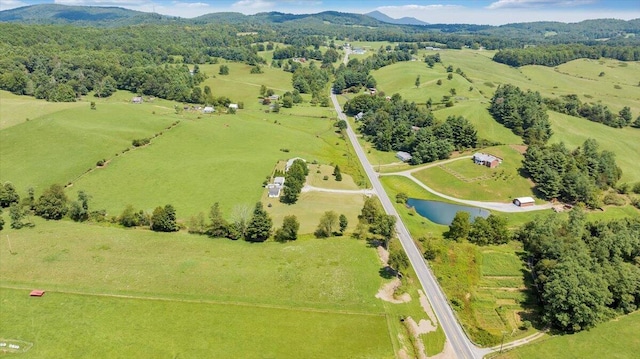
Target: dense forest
pixel 523 112
pixel 585 272
pixel 572 176
pixel 398 125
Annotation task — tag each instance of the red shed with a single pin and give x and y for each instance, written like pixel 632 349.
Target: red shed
pixel 37 293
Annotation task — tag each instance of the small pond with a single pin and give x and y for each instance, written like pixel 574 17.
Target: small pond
pixel 443 213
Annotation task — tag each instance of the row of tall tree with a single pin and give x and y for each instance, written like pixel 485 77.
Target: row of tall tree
pixel 554 55
pixel 596 112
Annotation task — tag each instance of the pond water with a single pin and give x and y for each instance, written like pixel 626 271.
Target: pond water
pixel 443 213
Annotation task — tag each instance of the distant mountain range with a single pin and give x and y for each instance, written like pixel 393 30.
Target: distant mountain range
pixel 401 21
pixel 547 31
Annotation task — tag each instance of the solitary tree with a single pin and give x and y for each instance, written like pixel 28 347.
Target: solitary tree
pixel 8 195
pixel 224 70
pixel 52 204
pixel 289 230
pixel 459 228
pixel 219 227
pixel 164 219
pixel 417 83
pixel 344 222
pixel 384 227
pixel 327 225
pixel 399 261
pixel 259 228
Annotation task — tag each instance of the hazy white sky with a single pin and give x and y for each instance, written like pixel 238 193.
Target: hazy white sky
pixel 494 12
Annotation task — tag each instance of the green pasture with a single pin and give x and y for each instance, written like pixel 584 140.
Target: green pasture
pixel 617 338
pixel 243 86
pixel 624 142
pixel 60 146
pixel 579 77
pixel 339 274
pixel 615 71
pixel 221 159
pixel 465 180
pixel 478 114
pixel 16 109
pixel 208 296
pixel 80 326
pixel 489 284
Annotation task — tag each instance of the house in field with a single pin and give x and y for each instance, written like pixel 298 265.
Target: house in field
pixel 233 106
pixel 279 181
pixel 524 201
pixel 290 163
pixel 403 156
pixel 208 109
pixel 274 97
pixel 137 99
pixel 486 159
pixel 275 187
pixel 359 116
pixel 274 190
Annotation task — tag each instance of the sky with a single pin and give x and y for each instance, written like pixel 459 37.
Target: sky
pixel 492 12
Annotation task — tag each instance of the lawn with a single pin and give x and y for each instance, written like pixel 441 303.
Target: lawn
pixel 465 180
pixel 312 205
pixel 617 338
pixel 188 295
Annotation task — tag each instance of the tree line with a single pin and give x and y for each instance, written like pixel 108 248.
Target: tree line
pixel 554 55
pixel 596 112
pixel 399 125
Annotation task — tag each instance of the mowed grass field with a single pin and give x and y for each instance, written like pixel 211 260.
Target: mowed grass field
pixel 617 338
pixel 113 292
pixel 466 180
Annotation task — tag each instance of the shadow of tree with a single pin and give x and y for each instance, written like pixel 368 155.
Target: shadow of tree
pixel 387 272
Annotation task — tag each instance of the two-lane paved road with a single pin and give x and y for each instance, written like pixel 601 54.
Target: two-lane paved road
pixel 462 346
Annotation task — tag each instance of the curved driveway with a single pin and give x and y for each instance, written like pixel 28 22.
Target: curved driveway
pixel 495 206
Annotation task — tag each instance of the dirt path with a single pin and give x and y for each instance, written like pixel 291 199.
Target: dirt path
pixel 367 192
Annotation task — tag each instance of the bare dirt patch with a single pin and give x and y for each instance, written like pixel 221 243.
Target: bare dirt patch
pixel 447 353
pixel 383 254
pixel 387 293
pixel 426 306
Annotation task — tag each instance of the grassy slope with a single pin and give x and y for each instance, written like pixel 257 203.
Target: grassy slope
pixel 578 76
pixel 60 146
pixel 17 109
pixel 614 339
pixel 624 142
pixel 233 291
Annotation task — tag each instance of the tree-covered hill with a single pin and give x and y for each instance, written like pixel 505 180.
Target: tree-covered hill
pixel 80 15
pixel 340 24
